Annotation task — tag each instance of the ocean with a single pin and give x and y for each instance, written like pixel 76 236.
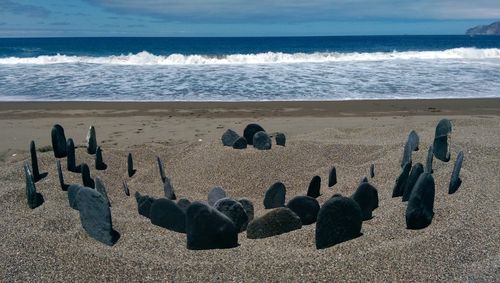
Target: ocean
pixel 249 69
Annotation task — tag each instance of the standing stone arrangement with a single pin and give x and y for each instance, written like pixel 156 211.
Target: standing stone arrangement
pixel 165 213
pixel 130 165
pixel 95 216
pixel 71 157
pixel 248 207
pixel 280 139
pixel 87 180
pixel 125 188
pixel 275 196
pixel 420 209
pixel 428 162
pixel 366 196
pixel 240 143
pixel 250 131
pixel 275 222
pixel 215 194
pixel 207 228
pixel 372 170
pixel 305 207
pixel 314 187
pixel 91 141
pixel 99 163
pixel 262 141
pixel 99 186
pixel 332 177
pixel 64 186
pixel 168 189
pixel 58 141
pixel 144 204
pixel 441 145
pixel 72 193
pixel 34 164
pixel 416 170
pixel 235 211
pixel 455 181
pixel 339 220
pixel 400 185
pixel 34 198
pixel 161 168
pixel 229 137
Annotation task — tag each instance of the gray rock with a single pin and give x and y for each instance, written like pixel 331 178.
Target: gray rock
pixel 33 198
pixel 168 189
pixel 400 185
pixel 87 180
pixel 250 131
pixel 161 168
pixel 183 203
pixel 58 141
pixel 366 196
pixel 91 141
pixel 229 137
pixel 339 220
pixel 314 187
pixel 72 193
pixel 420 209
pixel 406 154
pixel 235 211
pixel 305 207
pixel 130 165
pixel 332 177
pixel 275 196
pixel 372 170
pixel 275 222
pixel 99 186
pixel 99 163
pixel 215 194
pixel 248 207
pixel 95 216
pixel 240 143
pixel 413 140
pixel 262 141
pixel 455 180
pixel 144 203
pixel 440 145
pixel 428 162
pixel 71 159
pixel 280 139
pixel 207 228
pixel 165 213
pixel 64 186
pixel 34 164
pixel 125 188
pixel 416 170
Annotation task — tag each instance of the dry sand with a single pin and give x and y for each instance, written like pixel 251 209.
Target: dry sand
pixel 49 244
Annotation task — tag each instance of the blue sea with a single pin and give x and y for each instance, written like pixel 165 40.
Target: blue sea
pixel 249 69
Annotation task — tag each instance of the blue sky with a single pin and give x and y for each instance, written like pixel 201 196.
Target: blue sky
pixel 53 18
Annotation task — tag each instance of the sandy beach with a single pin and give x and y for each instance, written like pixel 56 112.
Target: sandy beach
pixel 49 244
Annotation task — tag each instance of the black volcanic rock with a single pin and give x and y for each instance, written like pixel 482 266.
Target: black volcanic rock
pixel 229 137
pixel 491 29
pixel 99 186
pixel 280 139
pixel 37 176
pixel 64 186
pixel 130 165
pixel 428 161
pixel 275 196
pixel 400 185
pixel 240 143
pixel 167 214
pixel 125 188
pixel 250 131
pixel 407 152
pixel 91 141
pixel 413 140
pixel 441 143
pixel 99 163
pixel 416 170
pixel 420 209
pixel 58 141
pixel 372 170
pixel 71 157
pixel 87 180
pixel 215 194
pixel 161 169
pixel 183 203
pixel 168 189
pixel 366 196
pixel 144 203
pixel 33 198
pixel 305 207
pixel 72 193
pixel 248 207
pixel 332 177
pixel 314 187
pixel 275 222
pixel 455 180
pixel 262 141
pixel 235 211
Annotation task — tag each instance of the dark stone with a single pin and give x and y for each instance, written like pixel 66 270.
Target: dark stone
pixel 72 193
pixel 262 141
pixel 125 188
pixel 400 185
pixel 215 194
pixel 416 170
pixel 71 159
pixel 99 186
pixel 34 198
pixel 168 189
pixel 275 196
pixel 428 162
pixel 161 168
pixel 99 163
pixel 91 141
pixel 240 143
pixel 229 137
pixel 58 141
pixel 207 228
pixel 248 207
pixel 406 154
pixel 87 180
pixel 420 208
pixel 366 196
pixel 413 140
pixel 165 213
pixel 314 187
pixel 275 222
pixel 305 207
pixel 34 164
pixel 364 179
pixel 455 181
pixel 144 203
pixel 235 211
pixel 440 145
pixel 64 186
pixel 95 216
pixel 280 139
pixel 130 165
pixel 250 131
pixel 372 171
pixel 339 220
pixel 183 203
pixel 332 177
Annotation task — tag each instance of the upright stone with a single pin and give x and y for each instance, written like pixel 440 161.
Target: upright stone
pixel 71 159
pixel 366 196
pixel 95 216
pixel 168 189
pixel 33 198
pixel 165 213
pixel 275 222
pixel 58 141
pixel 99 186
pixel 440 145
pixel 406 154
pixel 125 188
pixel 275 196
pixel 364 179
pixel 280 139
pixel 161 168
pixel 314 187
pixel 413 140
pixel 91 141
pixel 416 170
pixel 229 137
pixel 72 193
pixel 455 181
pixel 87 180
pixel 215 194
pixel 248 207
pixel 262 141
pixel 130 165
pixel 420 209
pixel 339 220
pixel 144 203
pixel 250 131
pixel 99 163
pixel 428 162
pixel 183 203
pixel 34 164
pixel 207 228
pixel 240 143
pixel 372 170
pixel 305 207
pixel 64 186
pixel 235 211
pixel 400 185
pixel 332 177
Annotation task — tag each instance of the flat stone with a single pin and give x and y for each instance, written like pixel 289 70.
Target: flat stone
pixel 250 131
pixel 305 207
pixel 275 196
pixel 165 213
pixel 275 222
pixel 235 211
pixel 262 141
pixel 420 209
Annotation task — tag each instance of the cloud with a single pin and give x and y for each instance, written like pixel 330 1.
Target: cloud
pixel 213 11
pixel 23 9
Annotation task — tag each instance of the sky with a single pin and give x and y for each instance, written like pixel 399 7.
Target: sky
pixel 80 18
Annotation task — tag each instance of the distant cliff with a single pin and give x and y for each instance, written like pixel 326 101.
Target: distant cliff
pixel 492 29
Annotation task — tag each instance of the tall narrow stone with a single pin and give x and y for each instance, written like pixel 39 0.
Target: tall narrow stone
pixel 71 159
pixel 130 165
pixel 64 186
pixel 400 185
pixel 34 164
pixel 99 186
pixel 91 141
pixel 168 189
pixel 125 188
pixel 455 181
pixel 99 163
pixel 420 209
pixel 314 187
pixel 332 177
pixel 416 170
pixel 162 170
pixel 34 198
pixel 441 144
pixel 58 141
pixel 87 180
pixel 428 162
pixel 275 196
pixel 372 170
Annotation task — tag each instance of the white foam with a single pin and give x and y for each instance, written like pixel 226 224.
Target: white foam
pixel 146 58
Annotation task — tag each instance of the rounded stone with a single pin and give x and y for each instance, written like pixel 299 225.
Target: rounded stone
pixel 305 207
pixel 250 131
pixel 235 211
pixel 275 222
pixel 262 141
